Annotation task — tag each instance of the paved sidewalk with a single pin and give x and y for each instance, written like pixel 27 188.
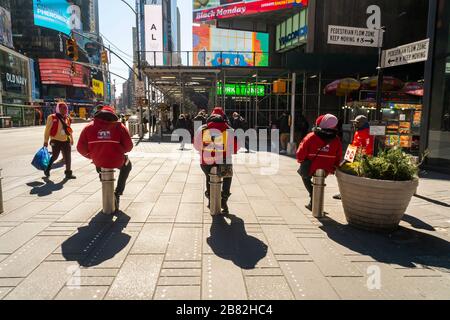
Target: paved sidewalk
pixel 54 243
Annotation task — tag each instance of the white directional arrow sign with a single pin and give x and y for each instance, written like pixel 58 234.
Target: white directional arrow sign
pixel 360 37
pixel 410 53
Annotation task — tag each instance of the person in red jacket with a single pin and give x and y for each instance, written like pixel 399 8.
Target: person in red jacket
pixel 362 138
pixel 216 143
pixel 106 141
pixel 323 148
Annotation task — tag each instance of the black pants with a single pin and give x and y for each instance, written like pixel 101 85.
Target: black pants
pixel 226 185
pixel 59 147
pixel 308 185
pixel 123 177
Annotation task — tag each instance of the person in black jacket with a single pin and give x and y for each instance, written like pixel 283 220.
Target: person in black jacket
pixel 285 131
pixel 237 122
pixel 201 117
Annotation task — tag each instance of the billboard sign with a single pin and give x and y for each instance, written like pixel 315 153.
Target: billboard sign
pixel 205 10
pixel 88 44
pixel 59 72
pixel 98 88
pixel 5 28
pixel 14 76
pixel 53 14
pixel 154 43
pixel 229 48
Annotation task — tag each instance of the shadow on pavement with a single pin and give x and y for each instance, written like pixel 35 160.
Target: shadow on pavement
pixel 45 189
pixel 231 242
pixel 417 223
pixel 405 247
pixel 99 241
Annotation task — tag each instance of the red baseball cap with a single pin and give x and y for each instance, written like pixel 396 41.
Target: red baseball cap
pixel 218 111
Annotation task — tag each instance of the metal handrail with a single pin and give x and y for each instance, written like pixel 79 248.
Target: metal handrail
pixel 186 58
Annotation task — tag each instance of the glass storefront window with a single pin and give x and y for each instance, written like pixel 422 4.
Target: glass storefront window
pixel 439 132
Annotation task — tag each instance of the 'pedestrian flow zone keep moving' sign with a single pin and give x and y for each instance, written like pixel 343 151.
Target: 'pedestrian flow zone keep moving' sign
pixel 410 53
pixel 349 36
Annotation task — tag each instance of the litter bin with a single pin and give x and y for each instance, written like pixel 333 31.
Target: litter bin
pixel 5 122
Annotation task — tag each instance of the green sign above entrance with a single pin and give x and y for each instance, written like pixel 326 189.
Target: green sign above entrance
pixel 241 90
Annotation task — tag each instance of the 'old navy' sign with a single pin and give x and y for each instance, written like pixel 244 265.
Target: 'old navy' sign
pixel 294 35
pixel 16 80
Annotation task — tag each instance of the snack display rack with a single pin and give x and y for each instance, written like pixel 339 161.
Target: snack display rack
pixel 402 125
pixel 400 114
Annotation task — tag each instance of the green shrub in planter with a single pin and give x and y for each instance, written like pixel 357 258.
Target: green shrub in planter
pixel 392 165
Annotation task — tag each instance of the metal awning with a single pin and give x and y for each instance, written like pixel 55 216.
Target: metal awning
pixel 196 87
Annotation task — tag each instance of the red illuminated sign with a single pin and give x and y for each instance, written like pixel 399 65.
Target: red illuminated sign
pixel 59 71
pixel 245 8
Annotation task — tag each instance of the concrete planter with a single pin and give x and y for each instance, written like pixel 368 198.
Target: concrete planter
pixel 375 205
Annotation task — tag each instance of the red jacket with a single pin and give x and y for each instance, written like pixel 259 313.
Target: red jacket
pixel 210 151
pixel 328 159
pixel 364 140
pixel 105 143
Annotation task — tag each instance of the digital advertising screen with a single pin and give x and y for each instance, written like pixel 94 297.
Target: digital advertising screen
pixel 52 14
pixel 206 10
pixel 222 47
pixel 59 72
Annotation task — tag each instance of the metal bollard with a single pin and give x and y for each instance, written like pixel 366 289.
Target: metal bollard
pixel 215 192
pixel 318 193
pixel 1 192
pixel 108 200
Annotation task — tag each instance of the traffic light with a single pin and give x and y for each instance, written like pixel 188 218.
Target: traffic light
pixel 279 87
pixel 104 56
pixel 72 49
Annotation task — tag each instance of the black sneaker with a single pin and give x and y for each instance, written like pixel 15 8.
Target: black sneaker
pixel 69 175
pixel 117 201
pixel 337 197
pixel 225 209
pixel 47 172
pixel 224 205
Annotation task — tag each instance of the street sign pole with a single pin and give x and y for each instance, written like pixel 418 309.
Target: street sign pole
pixel 379 97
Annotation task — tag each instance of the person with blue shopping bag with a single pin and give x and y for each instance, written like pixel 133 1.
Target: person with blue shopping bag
pixel 59 132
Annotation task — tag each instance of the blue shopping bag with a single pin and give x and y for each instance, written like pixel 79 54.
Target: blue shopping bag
pixel 42 159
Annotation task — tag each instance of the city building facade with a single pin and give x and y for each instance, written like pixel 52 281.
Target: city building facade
pixel 44 40
pixel 436 120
